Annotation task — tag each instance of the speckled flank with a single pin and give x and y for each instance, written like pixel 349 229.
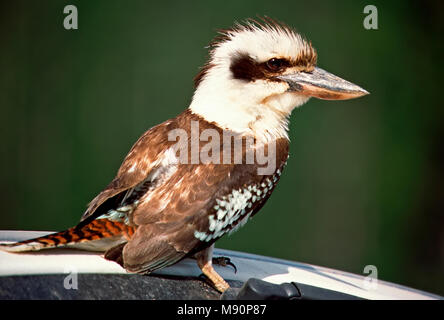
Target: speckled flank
pixel 234 210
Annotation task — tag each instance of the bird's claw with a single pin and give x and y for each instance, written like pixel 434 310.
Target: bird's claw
pixel 223 262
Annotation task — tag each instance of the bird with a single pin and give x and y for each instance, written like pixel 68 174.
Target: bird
pixel 168 201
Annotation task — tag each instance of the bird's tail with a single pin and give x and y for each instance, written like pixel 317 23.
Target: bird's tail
pixel 98 235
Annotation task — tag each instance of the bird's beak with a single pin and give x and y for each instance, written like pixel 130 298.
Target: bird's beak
pixel 323 85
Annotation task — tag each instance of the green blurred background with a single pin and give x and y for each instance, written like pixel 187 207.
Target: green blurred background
pixel 365 180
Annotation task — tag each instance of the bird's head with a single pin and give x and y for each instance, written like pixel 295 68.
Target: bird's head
pixel 257 73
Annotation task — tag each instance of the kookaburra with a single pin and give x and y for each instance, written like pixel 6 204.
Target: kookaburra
pixel 166 203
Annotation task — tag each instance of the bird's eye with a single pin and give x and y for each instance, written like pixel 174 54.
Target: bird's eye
pixel 275 64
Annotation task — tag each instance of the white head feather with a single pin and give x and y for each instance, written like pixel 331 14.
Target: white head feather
pixel 260 107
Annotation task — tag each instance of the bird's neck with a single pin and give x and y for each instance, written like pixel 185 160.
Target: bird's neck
pixel 241 114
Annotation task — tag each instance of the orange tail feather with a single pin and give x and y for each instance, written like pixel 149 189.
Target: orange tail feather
pixel 95 231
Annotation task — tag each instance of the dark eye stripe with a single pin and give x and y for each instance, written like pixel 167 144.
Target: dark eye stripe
pixel 243 67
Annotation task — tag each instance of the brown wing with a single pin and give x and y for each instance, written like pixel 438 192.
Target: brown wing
pixel 145 155
pixel 195 207
pixel 169 216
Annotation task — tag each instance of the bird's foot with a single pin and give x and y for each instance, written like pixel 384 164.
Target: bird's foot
pixel 223 262
pixel 214 279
